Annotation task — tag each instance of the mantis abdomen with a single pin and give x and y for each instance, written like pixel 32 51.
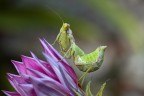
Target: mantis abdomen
pixel 91 61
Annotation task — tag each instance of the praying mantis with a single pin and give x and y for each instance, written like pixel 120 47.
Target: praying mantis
pixel 84 62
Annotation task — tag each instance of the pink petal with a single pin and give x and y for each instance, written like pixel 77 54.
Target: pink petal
pixel 28 89
pixel 41 75
pixel 20 67
pixel 47 68
pixel 11 93
pixel 49 88
pixel 49 50
pixel 18 78
pixel 55 66
pixel 31 63
pixel 69 82
pixel 15 84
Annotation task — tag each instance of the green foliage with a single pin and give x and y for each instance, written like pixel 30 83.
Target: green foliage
pixel 88 91
pixel 100 92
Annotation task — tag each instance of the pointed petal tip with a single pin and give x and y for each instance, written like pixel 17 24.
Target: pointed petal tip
pixel 5 92
pixel 32 54
pixel 23 56
pixel 41 40
pixel 8 93
pixel 15 62
pixel 11 75
pixel 44 41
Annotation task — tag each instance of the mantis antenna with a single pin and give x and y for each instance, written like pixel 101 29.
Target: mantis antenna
pixel 56 14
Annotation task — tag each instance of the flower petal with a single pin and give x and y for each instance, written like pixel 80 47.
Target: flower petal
pixel 41 75
pixel 55 67
pixel 31 63
pixel 28 89
pixel 45 66
pixel 49 50
pixel 69 82
pixel 11 93
pixel 19 66
pixel 47 88
pixel 15 84
pixel 54 77
pixel 18 78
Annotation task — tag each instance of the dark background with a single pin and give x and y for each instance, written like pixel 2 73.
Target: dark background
pixel 115 23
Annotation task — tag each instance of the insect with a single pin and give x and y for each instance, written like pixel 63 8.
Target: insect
pixel 85 62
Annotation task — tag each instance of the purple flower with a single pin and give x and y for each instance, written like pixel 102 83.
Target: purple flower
pixel 53 77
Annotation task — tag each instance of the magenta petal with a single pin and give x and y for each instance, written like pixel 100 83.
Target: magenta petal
pixel 10 79
pixel 17 78
pixel 28 89
pixel 26 78
pixel 41 75
pixel 55 66
pixel 49 88
pixel 19 66
pixel 15 84
pixel 69 82
pixel 49 50
pixel 11 93
pixel 45 66
pixel 31 63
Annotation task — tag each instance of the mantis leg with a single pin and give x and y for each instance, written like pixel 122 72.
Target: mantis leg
pixel 65 55
pixel 84 75
pixel 56 38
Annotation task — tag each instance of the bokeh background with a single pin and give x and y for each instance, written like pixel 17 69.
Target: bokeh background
pixel 115 23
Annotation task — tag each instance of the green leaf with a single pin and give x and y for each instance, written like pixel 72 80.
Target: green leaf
pixel 100 92
pixel 88 91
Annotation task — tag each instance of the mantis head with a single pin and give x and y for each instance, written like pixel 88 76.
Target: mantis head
pixel 65 26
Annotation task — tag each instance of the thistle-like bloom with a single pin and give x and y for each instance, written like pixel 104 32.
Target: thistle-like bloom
pixel 53 77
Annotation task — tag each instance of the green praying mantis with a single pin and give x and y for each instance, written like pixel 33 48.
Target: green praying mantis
pixel 84 62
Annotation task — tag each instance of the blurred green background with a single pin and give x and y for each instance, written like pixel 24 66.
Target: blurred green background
pixel 115 23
